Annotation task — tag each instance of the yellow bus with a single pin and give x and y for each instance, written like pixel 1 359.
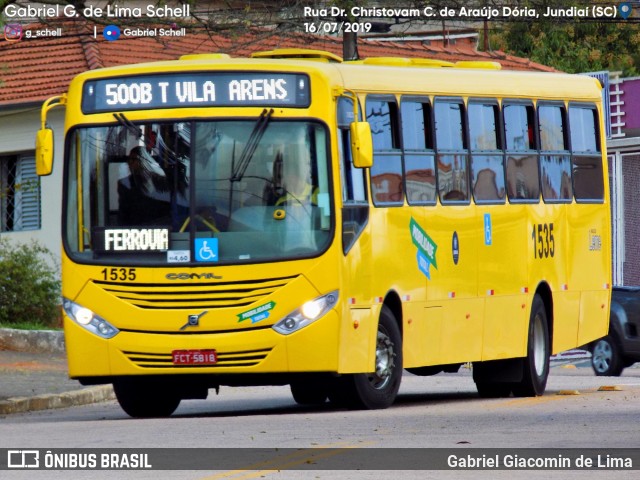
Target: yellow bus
pixel 294 219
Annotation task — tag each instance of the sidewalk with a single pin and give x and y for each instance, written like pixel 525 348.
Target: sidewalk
pixel 34 376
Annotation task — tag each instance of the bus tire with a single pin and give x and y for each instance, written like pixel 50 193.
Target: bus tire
pixel 376 390
pixel 493 390
pixel 144 398
pixel 307 393
pixel 535 369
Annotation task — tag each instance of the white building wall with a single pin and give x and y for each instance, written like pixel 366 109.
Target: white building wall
pixel 17 135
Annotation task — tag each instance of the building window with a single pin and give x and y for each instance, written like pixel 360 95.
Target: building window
pixel 19 194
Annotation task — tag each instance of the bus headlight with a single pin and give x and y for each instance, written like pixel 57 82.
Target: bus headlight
pixel 307 314
pixel 89 320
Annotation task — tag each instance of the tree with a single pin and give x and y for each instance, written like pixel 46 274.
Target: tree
pixel 29 285
pixel 576 46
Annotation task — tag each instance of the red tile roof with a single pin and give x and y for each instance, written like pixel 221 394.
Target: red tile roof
pixel 32 70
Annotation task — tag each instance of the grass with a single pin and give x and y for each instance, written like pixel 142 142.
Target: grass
pixel 29 325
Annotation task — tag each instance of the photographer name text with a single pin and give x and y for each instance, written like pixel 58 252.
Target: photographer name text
pixel 14 11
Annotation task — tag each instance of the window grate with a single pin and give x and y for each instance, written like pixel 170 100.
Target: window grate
pixel 19 194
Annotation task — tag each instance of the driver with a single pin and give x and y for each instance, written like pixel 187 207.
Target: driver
pixel 296 185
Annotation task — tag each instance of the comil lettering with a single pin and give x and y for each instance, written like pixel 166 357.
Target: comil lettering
pixel 258 89
pixel 134 240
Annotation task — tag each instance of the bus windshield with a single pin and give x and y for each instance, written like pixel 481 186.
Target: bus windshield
pixel 227 191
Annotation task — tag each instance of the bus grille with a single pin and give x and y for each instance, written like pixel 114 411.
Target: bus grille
pixel 189 295
pixel 247 358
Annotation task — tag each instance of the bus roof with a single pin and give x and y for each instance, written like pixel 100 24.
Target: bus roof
pixel 388 75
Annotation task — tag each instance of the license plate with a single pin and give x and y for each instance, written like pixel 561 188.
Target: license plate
pixel 194 357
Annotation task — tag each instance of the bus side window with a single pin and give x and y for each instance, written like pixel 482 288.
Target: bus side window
pixel 586 158
pixel 555 163
pixel 418 153
pixel 487 159
pixel 355 211
pixel 386 173
pixel 523 183
pixel 453 158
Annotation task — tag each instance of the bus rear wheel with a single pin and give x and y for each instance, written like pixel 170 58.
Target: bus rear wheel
pixel 536 363
pixel 376 390
pixel 493 389
pixel 144 397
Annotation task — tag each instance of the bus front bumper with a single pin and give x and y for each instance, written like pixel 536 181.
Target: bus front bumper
pixel 256 351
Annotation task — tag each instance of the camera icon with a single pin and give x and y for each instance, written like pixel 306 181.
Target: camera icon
pixel 23 459
pixel 13 32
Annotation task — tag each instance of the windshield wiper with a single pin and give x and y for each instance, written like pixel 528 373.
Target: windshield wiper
pixel 128 124
pixel 252 144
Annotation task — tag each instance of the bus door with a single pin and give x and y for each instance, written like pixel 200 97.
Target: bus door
pixel 357 269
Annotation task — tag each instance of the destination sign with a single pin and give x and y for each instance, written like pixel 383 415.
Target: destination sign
pixel 200 89
pixel 130 239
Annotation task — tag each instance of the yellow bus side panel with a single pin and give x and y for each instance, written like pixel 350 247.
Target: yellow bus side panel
pixel 565 325
pixel 357 347
pixel 450 279
pixel 589 258
pixel 502 258
pixel 505 327
pixel 454 281
pixel 589 265
pixel 594 316
pixel 502 277
pixel 462 331
pixel 421 339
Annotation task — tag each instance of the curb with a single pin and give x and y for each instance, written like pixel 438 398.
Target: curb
pixel 74 398
pixel 46 341
pixel 36 341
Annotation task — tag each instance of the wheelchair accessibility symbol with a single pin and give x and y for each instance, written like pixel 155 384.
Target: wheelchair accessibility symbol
pixel 206 249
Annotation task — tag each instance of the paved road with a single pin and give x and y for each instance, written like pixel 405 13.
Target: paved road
pixel 434 412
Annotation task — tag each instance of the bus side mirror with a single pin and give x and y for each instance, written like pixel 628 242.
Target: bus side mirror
pixel 361 144
pixel 44 151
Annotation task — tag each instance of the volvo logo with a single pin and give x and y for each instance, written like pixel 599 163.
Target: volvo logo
pixel 193 320
pixel 192 276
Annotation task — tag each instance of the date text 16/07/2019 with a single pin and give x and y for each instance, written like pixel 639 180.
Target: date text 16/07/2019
pixel 336 27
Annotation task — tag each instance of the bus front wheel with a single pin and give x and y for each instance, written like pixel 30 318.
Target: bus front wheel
pixel 309 393
pixel 144 397
pixel 378 389
pixel 536 363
